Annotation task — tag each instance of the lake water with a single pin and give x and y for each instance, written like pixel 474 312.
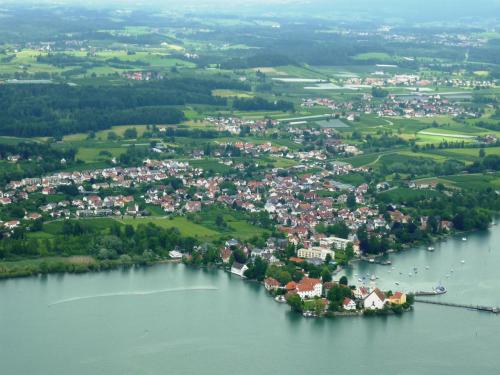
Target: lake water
pixel 170 319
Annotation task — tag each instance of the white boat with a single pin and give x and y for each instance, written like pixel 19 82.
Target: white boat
pixel 373 278
pixel 426 267
pixel 280 299
pixel 430 248
pixel 464 238
pixel 462 261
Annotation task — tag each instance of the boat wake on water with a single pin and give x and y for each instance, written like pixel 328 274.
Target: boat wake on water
pixel 132 293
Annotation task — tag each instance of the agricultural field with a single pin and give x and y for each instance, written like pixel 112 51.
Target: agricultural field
pixel 232 94
pixel 475 181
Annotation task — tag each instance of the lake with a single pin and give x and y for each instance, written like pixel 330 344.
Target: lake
pixel 173 319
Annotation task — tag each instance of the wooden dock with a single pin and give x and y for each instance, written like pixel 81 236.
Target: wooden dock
pixel 492 309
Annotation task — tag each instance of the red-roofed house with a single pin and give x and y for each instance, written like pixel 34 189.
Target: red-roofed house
pixel 349 304
pixel 271 284
pixel 309 288
pixel 398 298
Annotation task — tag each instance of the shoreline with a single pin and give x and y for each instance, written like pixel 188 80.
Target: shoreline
pixel 30 267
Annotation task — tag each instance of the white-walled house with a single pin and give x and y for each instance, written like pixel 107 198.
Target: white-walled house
pixel 309 288
pixel 375 300
pixel 239 269
pixel 349 304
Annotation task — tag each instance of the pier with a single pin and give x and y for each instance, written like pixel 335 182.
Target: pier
pixel 492 309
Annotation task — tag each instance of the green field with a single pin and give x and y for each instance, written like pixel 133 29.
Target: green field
pixel 401 195
pixel 375 56
pixel 92 155
pixel 186 227
pixel 475 181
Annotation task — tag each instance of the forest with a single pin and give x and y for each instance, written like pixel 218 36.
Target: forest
pixel 54 110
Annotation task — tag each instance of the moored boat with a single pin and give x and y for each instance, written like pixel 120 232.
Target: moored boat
pixel 434 292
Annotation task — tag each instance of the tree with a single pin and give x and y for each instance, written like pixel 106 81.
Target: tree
pixel 239 256
pixel 482 153
pixel 129 231
pixel 379 92
pixel 257 269
pixel 326 275
pixel 336 296
pixel 343 281
pixel 351 201
pixel 112 136
pixel 219 221
pixel 130 133
pixel 295 302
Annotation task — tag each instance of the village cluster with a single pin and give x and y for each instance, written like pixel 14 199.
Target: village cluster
pixel 415 105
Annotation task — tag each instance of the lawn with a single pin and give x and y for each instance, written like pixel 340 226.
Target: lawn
pixel 282 162
pixel 54 228
pixel 375 56
pixel 186 227
pixel 17 265
pixel 102 135
pixel 91 155
pixel 401 195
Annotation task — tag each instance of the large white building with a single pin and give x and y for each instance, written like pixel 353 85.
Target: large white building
pixel 319 252
pixel 336 242
pixel 309 288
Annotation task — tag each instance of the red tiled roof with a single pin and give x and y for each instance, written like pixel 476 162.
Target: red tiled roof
pixel 272 282
pixel 346 301
pixel 307 284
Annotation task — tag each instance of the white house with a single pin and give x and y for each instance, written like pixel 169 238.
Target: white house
pixel 309 288
pixel 239 269
pixel 375 300
pixel 349 304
